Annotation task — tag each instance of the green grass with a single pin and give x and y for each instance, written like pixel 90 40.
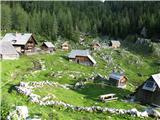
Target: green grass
pixel 88 96
pixel 21 70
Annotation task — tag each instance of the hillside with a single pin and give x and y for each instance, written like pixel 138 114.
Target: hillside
pixel 58 69
pixel 55 88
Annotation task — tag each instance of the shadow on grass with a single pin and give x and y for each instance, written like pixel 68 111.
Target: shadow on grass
pixel 65 57
pixel 143 51
pixel 11 88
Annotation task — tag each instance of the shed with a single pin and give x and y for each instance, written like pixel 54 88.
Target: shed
pixel 65 46
pixel 117 79
pixel 82 57
pixel 7 51
pixel 149 91
pixel 23 42
pixel 95 45
pixel 114 44
pixel 48 47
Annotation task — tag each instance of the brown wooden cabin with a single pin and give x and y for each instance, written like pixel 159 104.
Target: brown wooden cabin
pixel 149 91
pixel 48 47
pixel 82 57
pixel 65 46
pixel 23 42
pixel 114 44
pixel 117 79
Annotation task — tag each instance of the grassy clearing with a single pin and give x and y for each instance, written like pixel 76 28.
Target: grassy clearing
pixel 21 70
pixel 88 96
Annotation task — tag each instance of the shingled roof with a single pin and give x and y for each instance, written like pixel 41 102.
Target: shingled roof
pixel 17 38
pixel 75 53
pixel 156 78
pixel 65 43
pixel 115 42
pixel 6 48
pixel 49 44
pixel 116 76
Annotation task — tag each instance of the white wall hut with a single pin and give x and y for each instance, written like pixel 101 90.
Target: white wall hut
pixel 7 51
pixel 114 44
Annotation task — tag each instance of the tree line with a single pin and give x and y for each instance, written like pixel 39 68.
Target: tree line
pixel 69 19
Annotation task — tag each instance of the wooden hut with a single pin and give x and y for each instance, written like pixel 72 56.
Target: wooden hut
pixel 82 57
pixel 95 45
pixel 65 46
pixel 48 47
pixel 117 79
pixel 81 39
pixel 114 44
pixel 23 42
pixel 7 51
pixel 149 91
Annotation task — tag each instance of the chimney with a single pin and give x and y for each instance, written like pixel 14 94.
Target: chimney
pixel 17 34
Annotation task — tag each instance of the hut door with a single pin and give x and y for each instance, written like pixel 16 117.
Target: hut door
pixel 1 56
pixel 78 61
pixel 147 97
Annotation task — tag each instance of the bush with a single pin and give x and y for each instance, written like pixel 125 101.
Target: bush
pixel 131 38
pixel 5 108
pixel 156 49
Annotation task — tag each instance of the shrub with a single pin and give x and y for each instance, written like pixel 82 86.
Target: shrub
pixel 5 108
pixel 156 49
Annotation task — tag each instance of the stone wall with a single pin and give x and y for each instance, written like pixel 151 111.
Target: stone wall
pixel 26 88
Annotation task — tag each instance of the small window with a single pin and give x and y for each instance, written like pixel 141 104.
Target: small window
pixel 14 41
pixel 1 56
pixel 150 86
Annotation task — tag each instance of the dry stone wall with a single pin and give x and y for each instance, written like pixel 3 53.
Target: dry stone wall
pixel 26 88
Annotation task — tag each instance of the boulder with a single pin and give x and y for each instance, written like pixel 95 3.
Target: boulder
pixel 23 84
pixel 153 112
pixel 22 111
pixel 144 114
pixel 121 111
pixel 34 98
pixel 133 111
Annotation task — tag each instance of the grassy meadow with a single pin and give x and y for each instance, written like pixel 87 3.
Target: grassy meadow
pixel 136 67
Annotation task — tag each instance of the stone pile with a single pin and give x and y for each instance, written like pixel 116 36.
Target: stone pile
pixel 143 41
pixel 79 85
pixel 57 74
pixel 42 63
pixel 135 60
pixel 21 113
pixel 45 101
pixel 38 66
pixel 35 84
pixel 93 77
pixel 72 74
pixel 108 58
pixel 26 88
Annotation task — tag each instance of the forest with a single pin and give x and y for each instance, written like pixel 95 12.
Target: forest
pixel 68 19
